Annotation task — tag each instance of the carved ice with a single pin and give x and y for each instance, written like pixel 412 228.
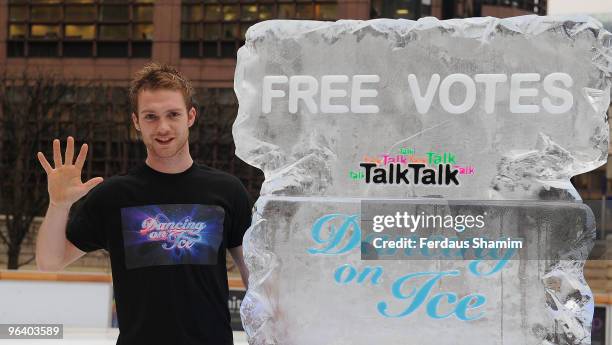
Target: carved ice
pixel 518 104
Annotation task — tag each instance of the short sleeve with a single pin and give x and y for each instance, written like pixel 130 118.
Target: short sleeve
pixel 241 215
pixel 85 229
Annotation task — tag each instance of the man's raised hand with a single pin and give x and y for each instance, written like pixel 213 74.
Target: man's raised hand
pixel 64 180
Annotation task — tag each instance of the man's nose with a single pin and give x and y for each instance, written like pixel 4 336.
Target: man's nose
pixel 164 126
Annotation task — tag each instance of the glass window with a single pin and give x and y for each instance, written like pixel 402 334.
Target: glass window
pixel 190 31
pixel 191 13
pixel 114 32
pixel 143 32
pixel 230 13
pixel 114 13
pixel 304 11
pixel 266 12
pixel 78 49
pixel 212 12
pixel 231 31
pixel 243 29
pixel 112 49
pixel 45 13
pixel 209 49
pixel 80 13
pixel 143 13
pixel 17 31
pixel 18 13
pixel 326 11
pixel 15 49
pixel 212 32
pixel 141 49
pixel 43 49
pixel 286 11
pixel 190 49
pixel 81 32
pixel 228 49
pixel 45 31
pixel 249 12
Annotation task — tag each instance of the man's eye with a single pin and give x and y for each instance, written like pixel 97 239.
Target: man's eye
pixel 149 116
pixel 174 114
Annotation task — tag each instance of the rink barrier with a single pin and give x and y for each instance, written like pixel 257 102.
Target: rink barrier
pixel 234 283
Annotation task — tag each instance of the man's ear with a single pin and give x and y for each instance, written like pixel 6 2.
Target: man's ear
pixel 135 120
pixel 191 116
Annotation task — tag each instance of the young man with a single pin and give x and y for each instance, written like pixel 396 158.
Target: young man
pixel 166 224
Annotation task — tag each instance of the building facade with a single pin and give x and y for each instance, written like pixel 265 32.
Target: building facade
pixel 104 42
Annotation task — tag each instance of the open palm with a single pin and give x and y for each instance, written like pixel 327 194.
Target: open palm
pixel 64 180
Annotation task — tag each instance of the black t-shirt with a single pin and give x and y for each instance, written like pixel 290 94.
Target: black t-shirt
pixel 166 235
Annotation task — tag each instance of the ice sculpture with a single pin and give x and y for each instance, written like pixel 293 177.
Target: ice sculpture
pixel 496 114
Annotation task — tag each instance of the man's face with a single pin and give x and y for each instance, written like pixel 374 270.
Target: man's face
pixel 163 122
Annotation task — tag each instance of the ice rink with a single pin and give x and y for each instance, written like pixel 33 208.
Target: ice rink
pixel 92 336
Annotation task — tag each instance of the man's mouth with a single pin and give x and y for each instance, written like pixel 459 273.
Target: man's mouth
pixel 164 141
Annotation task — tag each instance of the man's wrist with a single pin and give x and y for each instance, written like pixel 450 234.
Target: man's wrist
pixel 60 208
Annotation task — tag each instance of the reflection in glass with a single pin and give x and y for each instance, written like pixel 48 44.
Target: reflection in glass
pixel 266 12
pixel 304 11
pixel 45 13
pixel 212 32
pixel 243 29
pixel 230 13
pixel 143 32
pixel 114 32
pixel 326 11
pixel 114 13
pixel 191 12
pixel 212 12
pixel 249 12
pixel 82 32
pixel 18 13
pixel 231 31
pixel 45 31
pixel 17 31
pixel 190 31
pixel 80 13
pixel 286 11
pixel 143 13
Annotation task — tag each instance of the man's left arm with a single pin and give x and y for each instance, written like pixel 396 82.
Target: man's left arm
pixel 239 261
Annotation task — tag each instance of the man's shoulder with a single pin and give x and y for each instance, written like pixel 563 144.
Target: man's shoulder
pixel 111 185
pixel 216 175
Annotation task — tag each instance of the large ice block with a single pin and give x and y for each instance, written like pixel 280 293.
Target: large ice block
pixel 338 113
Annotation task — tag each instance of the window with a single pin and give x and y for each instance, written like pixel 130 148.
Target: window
pixel 216 29
pixel 406 9
pixel 80 28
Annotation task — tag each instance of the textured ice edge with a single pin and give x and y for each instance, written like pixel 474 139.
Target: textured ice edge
pixel 480 28
pixel 257 310
pixel 282 171
pixel 483 29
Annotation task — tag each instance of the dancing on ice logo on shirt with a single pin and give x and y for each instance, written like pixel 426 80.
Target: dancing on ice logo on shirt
pixel 172 234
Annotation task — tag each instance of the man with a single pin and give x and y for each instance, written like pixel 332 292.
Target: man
pixel 166 224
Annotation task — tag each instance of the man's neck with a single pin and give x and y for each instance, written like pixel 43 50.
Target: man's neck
pixel 171 165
